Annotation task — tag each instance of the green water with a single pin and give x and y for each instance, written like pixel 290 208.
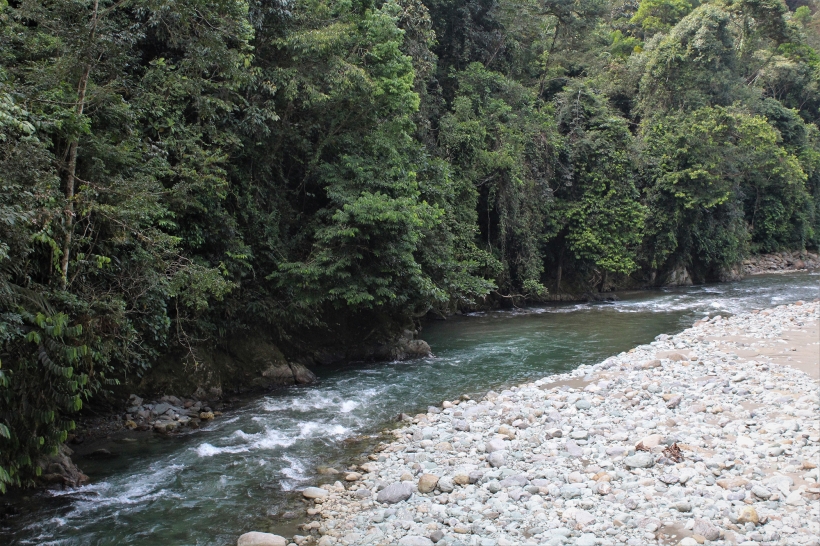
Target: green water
pixel 241 472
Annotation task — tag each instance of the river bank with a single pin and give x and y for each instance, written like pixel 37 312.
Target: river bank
pixel 780 262
pixel 246 469
pixel 706 436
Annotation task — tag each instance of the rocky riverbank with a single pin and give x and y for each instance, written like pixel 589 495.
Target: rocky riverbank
pixel 781 262
pixel 710 436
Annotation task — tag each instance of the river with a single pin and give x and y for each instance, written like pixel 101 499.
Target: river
pixel 242 471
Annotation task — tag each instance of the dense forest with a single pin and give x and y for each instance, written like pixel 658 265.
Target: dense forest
pixel 175 173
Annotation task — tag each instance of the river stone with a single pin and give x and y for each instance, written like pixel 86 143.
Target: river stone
pixel 761 492
pixel 669 479
pixel 683 506
pixel 795 499
pixel 255 538
pixel 587 539
pixel 640 460
pixel 314 493
pixel 576 477
pixel 495 444
pixel 445 484
pixel 411 540
pixel 301 375
pixel 583 404
pixel 706 529
pixel 570 491
pixel 462 425
pixel 496 459
pixel 674 401
pixel 748 515
pixel 651 441
pixel 573 449
pixel 427 483
pixel 732 483
pixel 395 492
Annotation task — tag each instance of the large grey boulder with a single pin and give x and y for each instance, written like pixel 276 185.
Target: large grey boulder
pixel 394 493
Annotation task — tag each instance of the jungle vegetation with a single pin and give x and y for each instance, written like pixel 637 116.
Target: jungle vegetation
pixel 173 172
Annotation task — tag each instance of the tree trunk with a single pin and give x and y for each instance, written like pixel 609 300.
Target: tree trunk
pixel 70 180
pixel 71 168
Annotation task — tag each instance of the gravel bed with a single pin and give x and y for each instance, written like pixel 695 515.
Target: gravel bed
pixel 681 441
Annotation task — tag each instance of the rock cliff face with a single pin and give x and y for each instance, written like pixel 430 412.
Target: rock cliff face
pixel 251 362
pixel 678 277
pixel 241 364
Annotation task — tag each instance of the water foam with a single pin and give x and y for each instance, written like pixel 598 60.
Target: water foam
pixel 209 450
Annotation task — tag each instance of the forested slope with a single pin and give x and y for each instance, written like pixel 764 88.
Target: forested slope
pixel 178 173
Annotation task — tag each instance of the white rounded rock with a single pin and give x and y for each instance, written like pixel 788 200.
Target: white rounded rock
pixel 255 538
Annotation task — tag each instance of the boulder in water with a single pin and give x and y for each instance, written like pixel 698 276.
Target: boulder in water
pixel 59 469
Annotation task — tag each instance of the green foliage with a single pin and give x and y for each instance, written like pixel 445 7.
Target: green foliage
pixel 705 168
pixel 599 208
pixel 660 15
pixel 802 15
pixel 692 66
pixel 503 146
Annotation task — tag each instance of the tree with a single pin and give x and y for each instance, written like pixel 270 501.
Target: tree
pixel 660 15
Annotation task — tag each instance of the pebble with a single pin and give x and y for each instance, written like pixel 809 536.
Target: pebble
pixel 728 455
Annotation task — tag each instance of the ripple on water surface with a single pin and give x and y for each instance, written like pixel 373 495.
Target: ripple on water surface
pixel 239 472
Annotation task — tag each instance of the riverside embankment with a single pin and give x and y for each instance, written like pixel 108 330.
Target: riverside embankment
pixel 708 436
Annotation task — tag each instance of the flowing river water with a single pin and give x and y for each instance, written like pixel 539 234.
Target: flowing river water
pixel 243 471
